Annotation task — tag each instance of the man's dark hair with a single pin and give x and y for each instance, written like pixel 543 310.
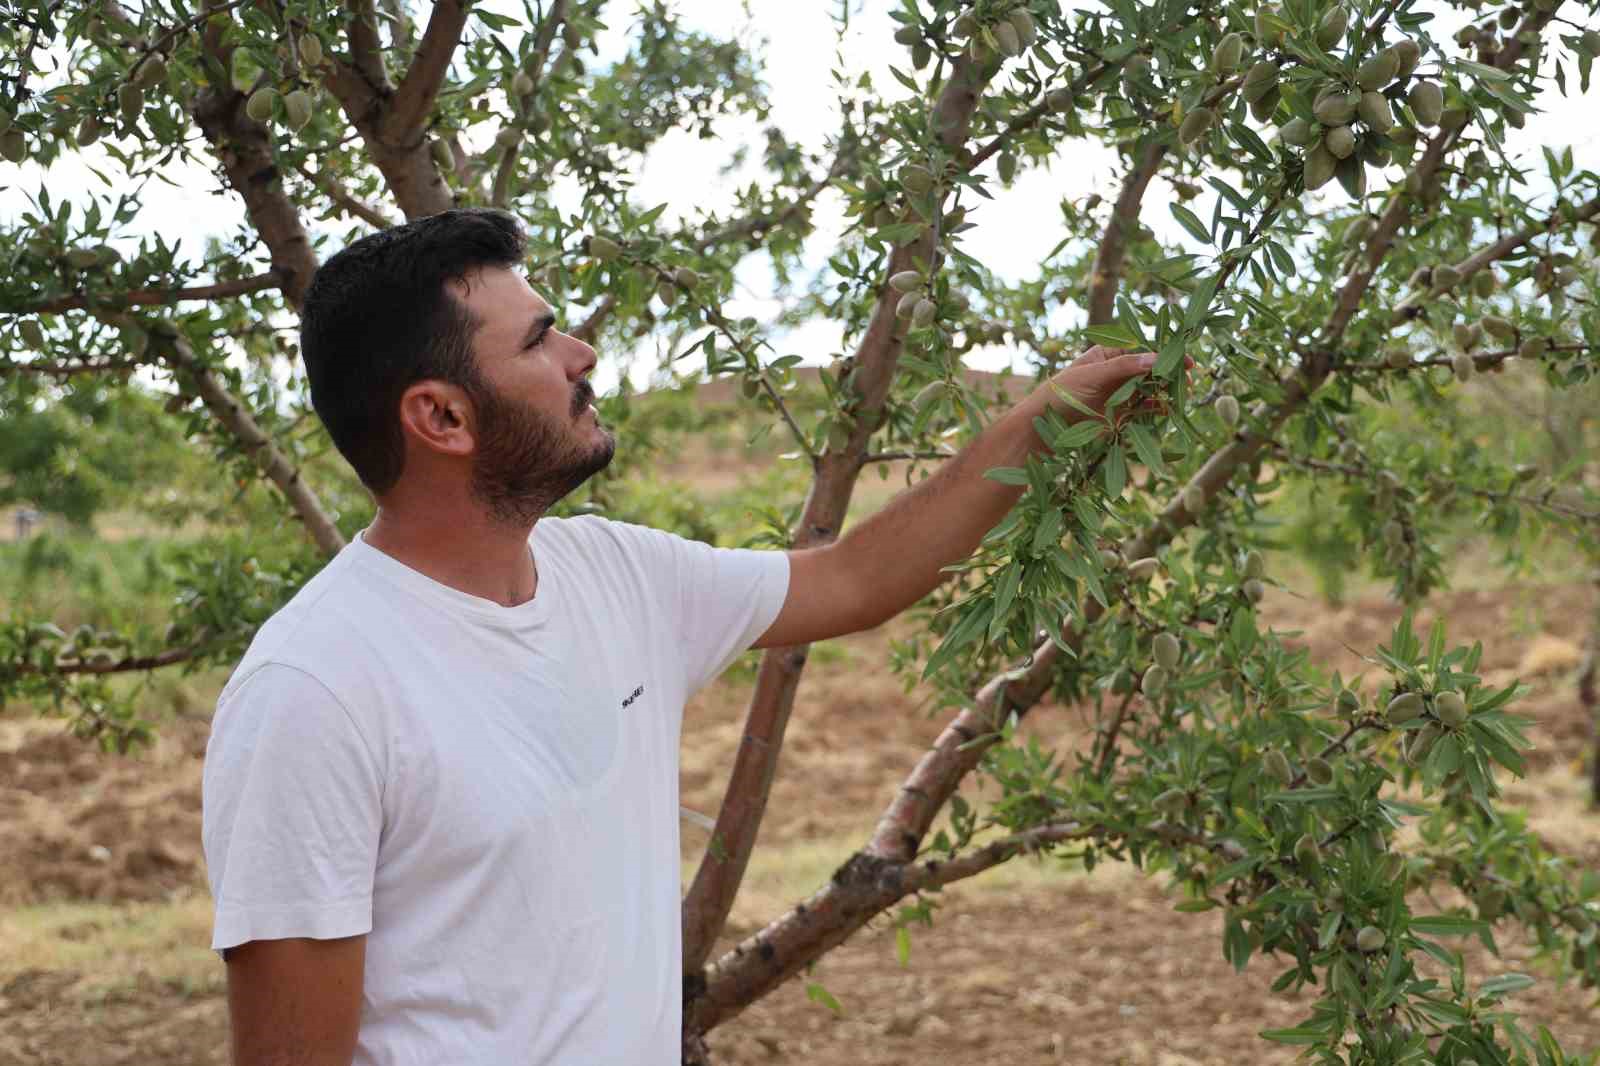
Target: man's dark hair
pixel 379 317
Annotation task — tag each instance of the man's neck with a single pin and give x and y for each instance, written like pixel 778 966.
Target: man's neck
pixel 459 547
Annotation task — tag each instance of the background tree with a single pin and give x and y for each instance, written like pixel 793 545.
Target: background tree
pixel 1360 241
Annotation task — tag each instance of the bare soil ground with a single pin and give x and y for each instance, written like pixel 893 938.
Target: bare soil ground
pixel 104 916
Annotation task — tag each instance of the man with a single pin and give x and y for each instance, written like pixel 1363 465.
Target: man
pixel 441 790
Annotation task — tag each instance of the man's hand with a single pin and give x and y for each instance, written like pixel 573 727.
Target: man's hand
pixel 1099 372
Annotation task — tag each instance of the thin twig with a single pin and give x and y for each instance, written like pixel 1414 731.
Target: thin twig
pixel 137 297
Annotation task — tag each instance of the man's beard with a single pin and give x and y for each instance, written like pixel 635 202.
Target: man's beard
pixel 527 460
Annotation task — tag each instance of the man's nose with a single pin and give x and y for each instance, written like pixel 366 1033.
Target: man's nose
pixel 581 359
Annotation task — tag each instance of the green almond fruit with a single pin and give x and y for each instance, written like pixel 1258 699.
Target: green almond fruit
pixel 442 154
pixel 1427 102
pixel 1370 938
pixel 1450 708
pixel 1463 366
pixel 1336 107
pixel 966 24
pixel 1421 742
pixel 1171 801
pixel 152 72
pixel 1254 566
pixel 521 84
pixel 1228 54
pixel 296 109
pixel 1378 71
pixel 666 292
pixel 1319 167
pixel 1319 770
pixel 907 304
pixel 1276 764
pixel 1484 283
pixel 1059 101
pixel 88 132
pixel 509 137
pixel 1589 43
pixel 1496 326
pixel 1374 111
pixel 1491 903
pixel 908 35
pixel 1393 532
pixel 916 178
pixel 1023 23
pixel 1296 132
pixel 1461 332
pixel 921 55
pixel 310 50
pixel 1306 851
pixel 1254 591
pixel 1392 867
pixel 905 281
pixel 686 277
pixel 130 101
pixel 1446 277
pixel 1227 409
pixel 1330 31
pixel 1154 682
pixel 979 53
pixel 603 248
pixel 926 396
pixel 1264 108
pixel 1143 569
pixel 1352 175
pixel 1403 708
pixel 1122 681
pixel 1009 41
pixel 1269 31
pixel 1261 79
pixel 1533 347
pixel 82 258
pixel 1195 125
pixel 6 118
pixel 1409 52
pixel 1453 118
pixel 32 333
pixel 13 146
pixel 259 106
pixel 1006 167
pixel 1193 498
pixel 1167 650
pixel 1340 142
pixel 923 312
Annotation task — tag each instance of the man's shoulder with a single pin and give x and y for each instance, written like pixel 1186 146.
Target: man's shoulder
pixel 313 633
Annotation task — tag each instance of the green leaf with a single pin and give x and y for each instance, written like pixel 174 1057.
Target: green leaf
pixel 1145 446
pixel 1111 335
pixel 1195 906
pixel 1007 475
pixel 817 994
pixel 1293 1036
pixel 1191 222
pixel 1116 471
pixel 1444 925
pixel 1504 984
pixel 902 945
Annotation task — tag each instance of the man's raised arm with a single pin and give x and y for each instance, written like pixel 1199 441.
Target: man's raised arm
pixel 895 557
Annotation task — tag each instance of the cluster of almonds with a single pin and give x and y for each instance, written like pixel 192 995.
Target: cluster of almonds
pixel 1011 34
pixel 603 249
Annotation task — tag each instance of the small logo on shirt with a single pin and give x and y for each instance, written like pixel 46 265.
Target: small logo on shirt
pixel 635 695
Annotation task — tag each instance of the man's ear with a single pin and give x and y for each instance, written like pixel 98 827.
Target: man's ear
pixel 438 416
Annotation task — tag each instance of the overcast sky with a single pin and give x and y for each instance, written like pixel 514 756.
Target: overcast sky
pixel 798 42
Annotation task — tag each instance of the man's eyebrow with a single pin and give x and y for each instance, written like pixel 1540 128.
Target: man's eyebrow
pixel 540 324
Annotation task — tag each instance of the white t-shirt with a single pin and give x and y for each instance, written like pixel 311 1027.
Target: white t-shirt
pixel 490 793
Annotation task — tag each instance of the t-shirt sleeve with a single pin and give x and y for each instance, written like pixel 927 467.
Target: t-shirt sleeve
pixel 292 809
pixel 725 598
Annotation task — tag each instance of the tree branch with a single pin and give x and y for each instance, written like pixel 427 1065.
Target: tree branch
pixel 233 415
pixel 1122 225
pixel 130 664
pixel 501 189
pixel 716 882
pixel 336 192
pixel 242 147
pixel 67 370
pixel 138 297
pixel 412 103
pixel 366 46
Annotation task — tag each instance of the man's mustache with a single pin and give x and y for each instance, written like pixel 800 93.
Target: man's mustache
pixel 582 397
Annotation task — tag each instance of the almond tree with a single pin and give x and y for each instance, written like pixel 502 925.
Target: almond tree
pixel 1358 240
